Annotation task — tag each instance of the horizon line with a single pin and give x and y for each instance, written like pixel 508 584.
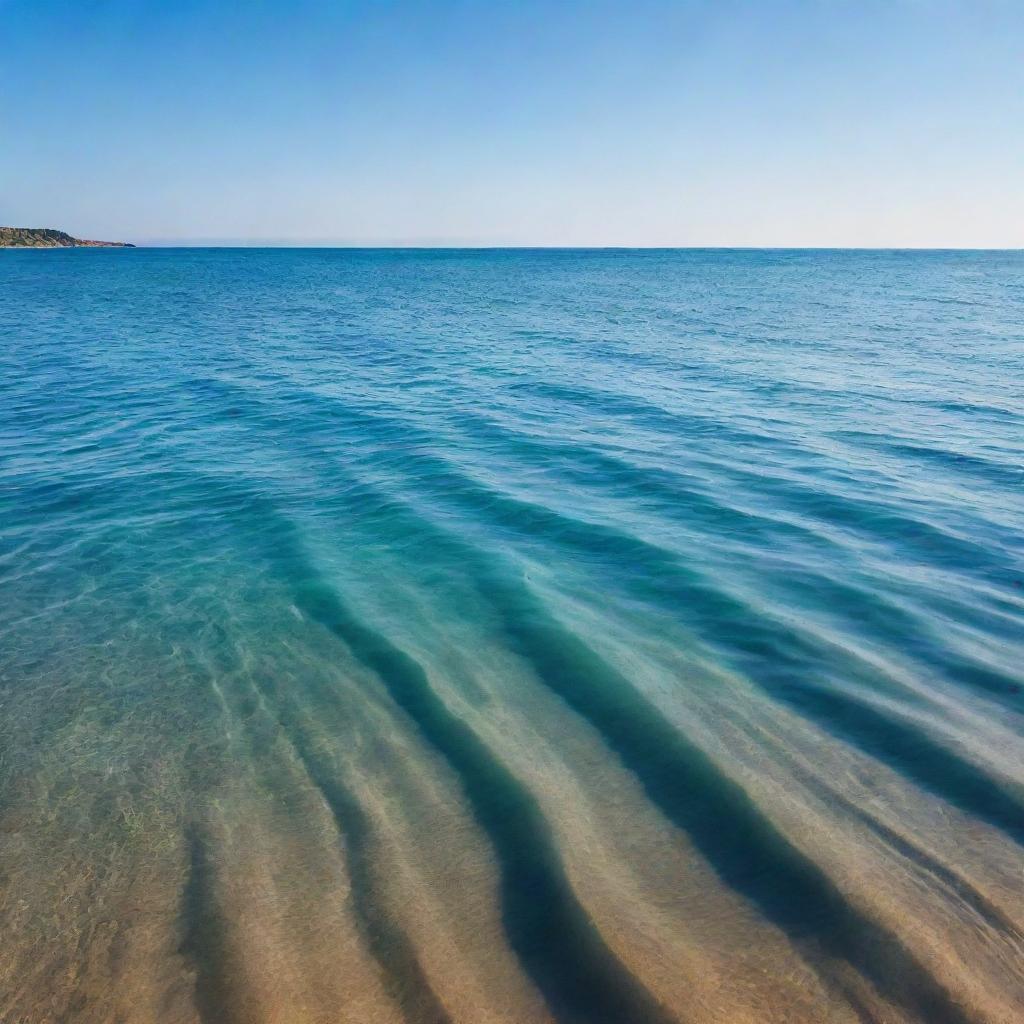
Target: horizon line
pixel 513 246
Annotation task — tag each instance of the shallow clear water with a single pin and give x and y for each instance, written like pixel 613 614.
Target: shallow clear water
pixel 511 636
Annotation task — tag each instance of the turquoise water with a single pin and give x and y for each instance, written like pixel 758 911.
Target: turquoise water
pixel 511 636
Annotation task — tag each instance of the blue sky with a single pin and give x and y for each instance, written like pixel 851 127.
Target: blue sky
pixel 778 122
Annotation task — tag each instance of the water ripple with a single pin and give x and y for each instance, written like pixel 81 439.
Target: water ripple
pixel 331 577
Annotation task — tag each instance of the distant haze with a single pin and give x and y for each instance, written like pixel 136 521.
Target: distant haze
pixel 766 122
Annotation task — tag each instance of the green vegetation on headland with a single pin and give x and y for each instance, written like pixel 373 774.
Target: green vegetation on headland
pixel 48 238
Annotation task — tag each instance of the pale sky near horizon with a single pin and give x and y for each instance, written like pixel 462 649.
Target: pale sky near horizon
pixel 779 122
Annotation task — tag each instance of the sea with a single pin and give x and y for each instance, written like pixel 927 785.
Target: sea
pixel 496 636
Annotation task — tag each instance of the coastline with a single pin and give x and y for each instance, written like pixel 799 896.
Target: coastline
pixel 52 238
pixel 83 245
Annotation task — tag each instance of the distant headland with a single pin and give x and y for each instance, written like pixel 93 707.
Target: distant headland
pixel 48 238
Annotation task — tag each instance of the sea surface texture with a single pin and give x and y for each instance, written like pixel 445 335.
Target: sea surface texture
pixel 422 637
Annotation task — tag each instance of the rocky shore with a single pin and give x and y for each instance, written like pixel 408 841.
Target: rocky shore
pixel 48 238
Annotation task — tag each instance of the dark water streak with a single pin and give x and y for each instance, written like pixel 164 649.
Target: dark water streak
pixel 204 939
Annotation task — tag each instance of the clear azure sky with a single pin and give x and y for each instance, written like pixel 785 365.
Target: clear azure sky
pixel 567 122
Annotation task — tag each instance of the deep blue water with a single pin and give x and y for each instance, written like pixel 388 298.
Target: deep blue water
pixel 513 635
